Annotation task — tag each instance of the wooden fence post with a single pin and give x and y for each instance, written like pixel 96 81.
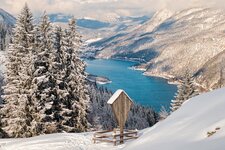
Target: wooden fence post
pixel 121 134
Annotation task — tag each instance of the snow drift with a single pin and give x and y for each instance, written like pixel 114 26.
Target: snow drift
pixel 198 125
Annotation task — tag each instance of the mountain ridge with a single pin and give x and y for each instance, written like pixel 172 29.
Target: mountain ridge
pixel 189 37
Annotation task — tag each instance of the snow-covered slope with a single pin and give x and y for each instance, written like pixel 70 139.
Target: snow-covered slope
pixel 6 18
pixel 198 125
pixel 7 22
pixel 189 127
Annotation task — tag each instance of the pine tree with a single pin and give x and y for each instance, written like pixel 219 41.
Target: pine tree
pixel 43 81
pixel 62 92
pixel 186 91
pixel 163 114
pixel 73 84
pixel 18 107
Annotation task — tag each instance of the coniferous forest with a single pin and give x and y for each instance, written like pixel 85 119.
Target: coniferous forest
pixel 45 88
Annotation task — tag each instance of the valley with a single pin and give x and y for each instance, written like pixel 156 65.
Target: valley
pixel 172 42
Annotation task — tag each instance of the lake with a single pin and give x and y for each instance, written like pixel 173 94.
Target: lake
pixel 148 91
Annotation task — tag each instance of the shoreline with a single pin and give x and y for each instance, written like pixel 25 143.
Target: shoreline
pixel 169 78
pixel 134 67
pixel 98 79
pixel 165 76
pixel 121 59
pixel 175 82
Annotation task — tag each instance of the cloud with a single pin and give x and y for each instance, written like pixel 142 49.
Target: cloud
pixel 105 9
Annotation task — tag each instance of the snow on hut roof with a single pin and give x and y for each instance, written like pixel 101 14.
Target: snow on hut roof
pixel 116 95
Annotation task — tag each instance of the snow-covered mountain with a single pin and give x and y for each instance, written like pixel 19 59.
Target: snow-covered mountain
pixel 198 125
pixel 92 28
pixel 172 42
pixel 6 18
pixel 6 23
pixel 89 23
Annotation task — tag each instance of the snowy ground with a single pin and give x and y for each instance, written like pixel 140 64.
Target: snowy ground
pixel 56 142
pixel 188 127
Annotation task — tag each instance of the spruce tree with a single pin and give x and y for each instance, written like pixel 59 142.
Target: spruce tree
pixel 186 90
pixel 66 102
pixel 43 82
pixel 74 90
pixel 163 114
pixel 18 107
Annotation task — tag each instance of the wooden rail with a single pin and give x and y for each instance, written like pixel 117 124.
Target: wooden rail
pixel 111 136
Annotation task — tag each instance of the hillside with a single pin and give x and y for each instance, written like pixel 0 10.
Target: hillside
pixel 189 127
pixel 6 18
pixel 171 42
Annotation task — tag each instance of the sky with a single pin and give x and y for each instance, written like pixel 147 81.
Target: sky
pixel 105 9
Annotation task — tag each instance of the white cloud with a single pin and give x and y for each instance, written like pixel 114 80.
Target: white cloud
pixel 105 8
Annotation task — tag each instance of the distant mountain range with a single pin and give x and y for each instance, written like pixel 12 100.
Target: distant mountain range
pixel 92 23
pixel 84 22
pixel 92 28
pixel 172 42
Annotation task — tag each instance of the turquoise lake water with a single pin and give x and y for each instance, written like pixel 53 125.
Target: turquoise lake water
pixel 148 91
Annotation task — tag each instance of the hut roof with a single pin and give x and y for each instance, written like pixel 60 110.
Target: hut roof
pixel 116 95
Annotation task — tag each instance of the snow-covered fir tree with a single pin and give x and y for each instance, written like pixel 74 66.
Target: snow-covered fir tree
pixel 186 90
pixel 164 113
pixel 100 113
pixel 46 85
pixel 18 107
pixel 72 84
pixel 63 84
pixel 43 81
